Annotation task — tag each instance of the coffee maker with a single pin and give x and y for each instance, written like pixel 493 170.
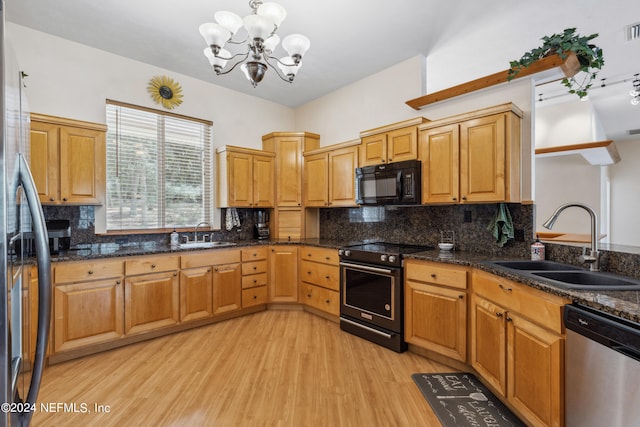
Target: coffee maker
pixel 261 219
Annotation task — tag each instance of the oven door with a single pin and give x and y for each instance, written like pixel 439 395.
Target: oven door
pixel 372 294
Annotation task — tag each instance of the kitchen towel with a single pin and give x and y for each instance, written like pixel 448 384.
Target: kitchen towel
pixel 232 219
pixel 501 226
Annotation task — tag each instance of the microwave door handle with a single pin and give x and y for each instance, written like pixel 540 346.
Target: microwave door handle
pixel 399 190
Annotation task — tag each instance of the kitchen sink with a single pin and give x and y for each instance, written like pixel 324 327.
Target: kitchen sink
pixel 204 245
pixel 535 265
pixel 589 280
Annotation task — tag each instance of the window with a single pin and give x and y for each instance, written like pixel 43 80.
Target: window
pixel 159 169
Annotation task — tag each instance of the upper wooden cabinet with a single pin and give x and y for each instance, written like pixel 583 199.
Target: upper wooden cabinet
pixel 392 143
pixel 245 177
pixel 472 158
pixel 329 177
pixel 68 160
pixel 288 148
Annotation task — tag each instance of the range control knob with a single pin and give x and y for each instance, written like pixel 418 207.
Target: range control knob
pixel 340 252
pixel 383 258
pixel 392 258
pixel 347 253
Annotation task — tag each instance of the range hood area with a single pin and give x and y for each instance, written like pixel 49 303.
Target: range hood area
pixel 571 128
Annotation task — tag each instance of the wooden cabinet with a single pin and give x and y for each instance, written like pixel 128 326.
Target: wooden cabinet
pixel 151 296
pixel 517 346
pixel 329 177
pixel 320 279
pixel 283 274
pixel 88 304
pixel 222 279
pixel 68 160
pixel 288 148
pixel 472 158
pixel 255 275
pixel 436 307
pixel 245 177
pixel 196 293
pixel 392 143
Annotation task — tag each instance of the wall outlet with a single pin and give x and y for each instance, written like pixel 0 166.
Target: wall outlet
pixel 467 216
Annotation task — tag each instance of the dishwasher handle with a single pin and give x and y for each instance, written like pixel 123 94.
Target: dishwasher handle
pixel 614 332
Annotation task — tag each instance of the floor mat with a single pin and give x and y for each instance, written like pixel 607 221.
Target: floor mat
pixel 460 399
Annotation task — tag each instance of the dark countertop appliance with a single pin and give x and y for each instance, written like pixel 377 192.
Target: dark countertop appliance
pixel 371 292
pixel 59 231
pixel 261 219
pixel 396 183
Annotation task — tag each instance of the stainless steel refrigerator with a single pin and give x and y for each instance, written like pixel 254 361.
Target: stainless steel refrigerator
pixel 21 366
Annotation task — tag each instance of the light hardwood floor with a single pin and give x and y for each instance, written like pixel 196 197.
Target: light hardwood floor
pixel 273 368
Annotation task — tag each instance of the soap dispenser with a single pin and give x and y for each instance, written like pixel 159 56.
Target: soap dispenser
pixel 537 250
pixel 175 239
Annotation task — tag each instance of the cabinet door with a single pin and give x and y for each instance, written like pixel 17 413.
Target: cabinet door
pixel 316 180
pixel 240 179
pixel 151 302
pixel 488 342
pixel 535 371
pixel 402 144
pixel 196 293
pixel 87 313
pixel 436 319
pixel 342 165
pixel 289 170
pixel 289 223
pixel 482 159
pixel 82 165
pixel 263 186
pixel 283 283
pixel 374 149
pixel 227 288
pixel 44 160
pixel 439 153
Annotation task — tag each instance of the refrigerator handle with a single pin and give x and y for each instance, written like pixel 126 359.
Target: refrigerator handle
pixel 44 279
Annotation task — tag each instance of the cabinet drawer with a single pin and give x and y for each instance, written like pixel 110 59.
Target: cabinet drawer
pixel 436 273
pixel 540 307
pixel 254 267
pixel 324 255
pixel 255 253
pixel 87 270
pixel 254 280
pixel 320 298
pixel 254 296
pixel 327 276
pixel 206 258
pixel 153 264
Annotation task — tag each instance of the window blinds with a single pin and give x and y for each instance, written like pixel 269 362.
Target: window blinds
pixel 159 169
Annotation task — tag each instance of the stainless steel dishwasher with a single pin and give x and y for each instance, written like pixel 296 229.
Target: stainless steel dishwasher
pixel 602 369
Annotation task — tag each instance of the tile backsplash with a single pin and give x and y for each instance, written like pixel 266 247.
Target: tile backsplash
pixel 423 225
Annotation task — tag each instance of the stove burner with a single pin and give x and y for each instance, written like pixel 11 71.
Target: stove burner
pixel 382 253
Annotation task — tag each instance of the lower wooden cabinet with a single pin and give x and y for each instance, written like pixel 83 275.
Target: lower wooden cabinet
pixel 151 302
pixel 320 279
pixel 254 296
pixel 517 346
pixel 436 308
pixel 255 273
pixel 196 293
pixel 227 288
pixel 283 271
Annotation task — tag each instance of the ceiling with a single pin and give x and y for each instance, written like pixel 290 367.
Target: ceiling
pixel 353 39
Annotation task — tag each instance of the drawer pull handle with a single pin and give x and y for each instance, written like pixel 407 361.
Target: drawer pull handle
pixel 433 275
pixel 153 266
pixel 308 272
pixel 328 301
pixel 255 280
pixel 508 319
pixel 309 255
pixel 327 258
pixel 90 272
pixel 499 314
pixel 327 277
pixel 461 296
pixel 308 295
pixel 255 297
pixel 504 288
pixel 255 254
pixel 255 267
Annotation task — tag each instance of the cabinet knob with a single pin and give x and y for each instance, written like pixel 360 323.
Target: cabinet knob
pixel 175 273
pixel 327 258
pixel 464 197
pixel 308 272
pixel 499 314
pixel 208 270
pixel 90 272
pixel 454 198
pixel 255 254
pixel 255 280
pixel 433 275
pixel 118 282
pixel 328 301
pixel 298 204
pixel 327 277
pixel 153 266
pixel 255 267
pixel 308 295
pixel 390 159
pixel 215 269
pixel 255 297
pixel 64 199
pixel 461 296
pixel 51 199
pixel 508 319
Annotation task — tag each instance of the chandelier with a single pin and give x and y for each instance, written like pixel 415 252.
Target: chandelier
pixel 261 40
pixel 635 92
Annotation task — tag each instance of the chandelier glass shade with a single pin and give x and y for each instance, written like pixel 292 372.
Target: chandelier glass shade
pixel 260 38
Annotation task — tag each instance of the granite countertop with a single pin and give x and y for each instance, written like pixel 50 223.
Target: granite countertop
pixel 625 304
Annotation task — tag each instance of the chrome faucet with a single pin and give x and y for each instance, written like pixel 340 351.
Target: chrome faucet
pixel 592 258
pixel 195 231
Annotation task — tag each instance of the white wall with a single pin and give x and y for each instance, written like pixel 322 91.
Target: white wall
pixel 68 79
pixel 625 201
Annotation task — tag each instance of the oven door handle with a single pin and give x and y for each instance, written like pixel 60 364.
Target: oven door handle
pixel 367 268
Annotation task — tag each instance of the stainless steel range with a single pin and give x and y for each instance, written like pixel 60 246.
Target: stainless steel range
pixel 371 292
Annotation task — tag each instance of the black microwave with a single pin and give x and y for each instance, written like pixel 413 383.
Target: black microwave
pixel 396 183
